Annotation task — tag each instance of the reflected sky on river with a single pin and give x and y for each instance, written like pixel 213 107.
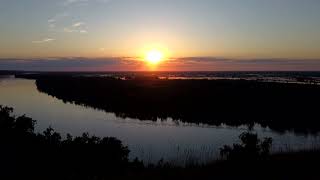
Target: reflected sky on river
pixel 148 140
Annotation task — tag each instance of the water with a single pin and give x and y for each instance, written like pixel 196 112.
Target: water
pixel 280 77
pixel 147 140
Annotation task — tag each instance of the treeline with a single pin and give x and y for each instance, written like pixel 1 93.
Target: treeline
pixel 26 154
pixel 278 106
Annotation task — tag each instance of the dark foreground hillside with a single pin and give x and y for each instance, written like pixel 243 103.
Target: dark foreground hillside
pixel 46 155
pixel 25 154
pixel 279 106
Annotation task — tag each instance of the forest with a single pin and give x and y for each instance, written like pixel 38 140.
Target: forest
pixel 278 106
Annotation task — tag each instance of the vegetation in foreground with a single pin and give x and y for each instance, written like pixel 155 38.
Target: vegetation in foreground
pixel 26 154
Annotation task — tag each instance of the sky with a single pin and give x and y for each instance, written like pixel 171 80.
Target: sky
pixel 192 34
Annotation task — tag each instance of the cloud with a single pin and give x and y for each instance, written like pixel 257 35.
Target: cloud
pixel 177 64
pixel 77 27
pixel 58 64
pixel 75 30
pixel 69 2
pixel 45 40
pixel 55 25
pixel 229 64
pixel 68 30
pixel 78 24
pixel 52 22
pixel 72 2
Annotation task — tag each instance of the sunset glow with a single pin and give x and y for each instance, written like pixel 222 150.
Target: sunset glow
pixel 154 57
pixel 160 35
pixel 142 89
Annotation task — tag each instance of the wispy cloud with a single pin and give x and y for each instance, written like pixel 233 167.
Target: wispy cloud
pixel 229 64
pixel 83 31
pixel 52 22
pixel 72 2
pixel 78 27
pixel 78 24
pixel 75 30
pixel 63 64
pixel 178 64
pixel 57 26
pixel 69 2
pixel 45 40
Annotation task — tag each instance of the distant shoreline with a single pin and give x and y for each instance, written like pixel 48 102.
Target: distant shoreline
pixel 278 106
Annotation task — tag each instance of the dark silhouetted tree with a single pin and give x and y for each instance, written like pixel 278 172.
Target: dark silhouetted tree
pixel 251 147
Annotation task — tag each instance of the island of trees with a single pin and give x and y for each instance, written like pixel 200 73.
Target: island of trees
pixel 279 106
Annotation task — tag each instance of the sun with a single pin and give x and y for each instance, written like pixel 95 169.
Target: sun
pixel 154 57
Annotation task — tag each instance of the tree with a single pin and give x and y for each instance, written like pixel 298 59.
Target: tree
pixel 250 148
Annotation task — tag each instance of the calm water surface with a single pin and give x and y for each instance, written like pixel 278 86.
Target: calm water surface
pixel 147 140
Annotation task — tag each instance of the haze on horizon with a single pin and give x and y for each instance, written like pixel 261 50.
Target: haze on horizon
pixel 192 34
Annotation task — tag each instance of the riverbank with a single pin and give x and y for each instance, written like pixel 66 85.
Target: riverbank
pixel 278 106
pixel 25 154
